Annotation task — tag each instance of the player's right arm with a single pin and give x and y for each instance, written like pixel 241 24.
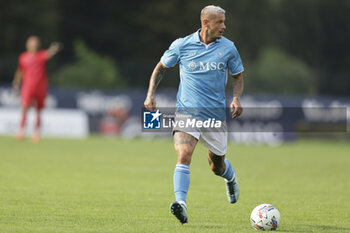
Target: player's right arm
pixel 17 80
pixel 156 77
pixel 169 59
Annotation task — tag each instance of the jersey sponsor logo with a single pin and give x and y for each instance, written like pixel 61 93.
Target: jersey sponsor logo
pixel 192 65
pixel 152 120
pixel 211 65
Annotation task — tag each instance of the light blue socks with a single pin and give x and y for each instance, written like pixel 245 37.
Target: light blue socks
pixel 229 173
pixel 181 182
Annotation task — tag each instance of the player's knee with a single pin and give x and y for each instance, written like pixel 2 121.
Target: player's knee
pixel 184 155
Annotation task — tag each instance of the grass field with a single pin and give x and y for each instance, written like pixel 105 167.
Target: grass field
pixel 105 185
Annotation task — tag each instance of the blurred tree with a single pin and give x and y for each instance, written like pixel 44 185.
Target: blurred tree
pixel 89 70
pixel 136 33
pixel 277 72
pixel 318 32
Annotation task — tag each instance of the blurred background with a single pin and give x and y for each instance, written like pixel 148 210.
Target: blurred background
pixel 295 53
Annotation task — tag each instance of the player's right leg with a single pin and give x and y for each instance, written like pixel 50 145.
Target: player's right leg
pixel 21 131
pixel 184 144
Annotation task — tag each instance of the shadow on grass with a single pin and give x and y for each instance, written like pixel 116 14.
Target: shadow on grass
pixel 323 228
pixel 286 230
pixel 205 227
pixel 330 228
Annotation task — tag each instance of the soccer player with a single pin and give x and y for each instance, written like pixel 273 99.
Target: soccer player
pixel 205 57
pixel 31 72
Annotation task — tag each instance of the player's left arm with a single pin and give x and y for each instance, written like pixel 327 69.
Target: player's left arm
pixel 54 48
pixel 238 85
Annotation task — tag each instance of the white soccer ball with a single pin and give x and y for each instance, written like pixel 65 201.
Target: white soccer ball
pixel 265 217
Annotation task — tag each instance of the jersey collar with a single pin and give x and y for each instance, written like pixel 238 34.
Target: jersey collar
pixel 198 40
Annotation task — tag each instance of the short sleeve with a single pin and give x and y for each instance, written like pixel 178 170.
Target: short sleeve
pixel 44 54
pixel 235 65
pixel 172 56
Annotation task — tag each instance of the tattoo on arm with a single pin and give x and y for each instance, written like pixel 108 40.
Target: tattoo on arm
pixel 156 77
pixel 238 85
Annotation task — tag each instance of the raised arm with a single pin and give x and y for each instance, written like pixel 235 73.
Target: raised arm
pixel 156 77
pixel 17 80
pixel 235 106
pixel 54 48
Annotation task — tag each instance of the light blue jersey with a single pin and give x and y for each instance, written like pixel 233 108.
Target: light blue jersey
pixel 203 73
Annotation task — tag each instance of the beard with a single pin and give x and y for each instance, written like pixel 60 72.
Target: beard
pixel 214 34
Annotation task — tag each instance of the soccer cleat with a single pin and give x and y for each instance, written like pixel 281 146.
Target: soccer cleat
pixel 232 190
pixel 36 137
pixel 180 212
pixel 20 135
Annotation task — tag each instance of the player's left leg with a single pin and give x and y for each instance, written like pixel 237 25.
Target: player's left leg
pixel 222 167
pixel 36 133
pixel 40 99
pixel 216 142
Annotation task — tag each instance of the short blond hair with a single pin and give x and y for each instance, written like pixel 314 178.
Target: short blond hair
pixel 211 10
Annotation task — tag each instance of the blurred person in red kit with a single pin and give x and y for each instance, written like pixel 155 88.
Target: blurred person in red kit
pixel 31 75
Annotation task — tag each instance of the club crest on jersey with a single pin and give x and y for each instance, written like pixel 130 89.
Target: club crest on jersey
pixel 220 54
pixel 192 65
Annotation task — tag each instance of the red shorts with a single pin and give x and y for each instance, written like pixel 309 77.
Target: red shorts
pixel 33 97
